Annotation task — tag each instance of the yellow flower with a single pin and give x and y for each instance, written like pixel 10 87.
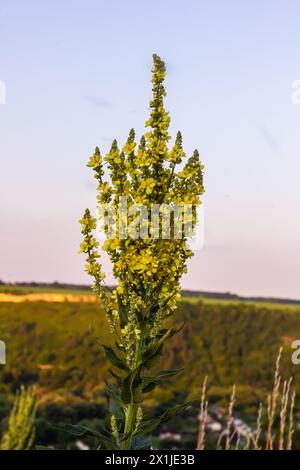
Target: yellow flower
pixel 110 244
pixel 94 161
pixel 137 333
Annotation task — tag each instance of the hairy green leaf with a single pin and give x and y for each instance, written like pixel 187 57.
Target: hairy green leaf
pixel 114 359
pixel 176 409
pixel 131 388
pixel 153 359
pixel 150 382
pixel 80 431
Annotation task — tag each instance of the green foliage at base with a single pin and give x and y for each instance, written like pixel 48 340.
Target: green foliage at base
pixel 21 423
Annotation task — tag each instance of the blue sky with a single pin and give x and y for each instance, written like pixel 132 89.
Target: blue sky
pixel 77 75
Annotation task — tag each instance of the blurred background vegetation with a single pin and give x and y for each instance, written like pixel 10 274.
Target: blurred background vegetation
pixel 57 346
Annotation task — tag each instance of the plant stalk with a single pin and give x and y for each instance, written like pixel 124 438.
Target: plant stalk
pixel 130 416
pixel 129 424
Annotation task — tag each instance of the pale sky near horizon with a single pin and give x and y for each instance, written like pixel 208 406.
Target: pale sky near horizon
pixel 77 74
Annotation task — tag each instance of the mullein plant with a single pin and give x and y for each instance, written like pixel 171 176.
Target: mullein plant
pixel 21 423
pixel 147 268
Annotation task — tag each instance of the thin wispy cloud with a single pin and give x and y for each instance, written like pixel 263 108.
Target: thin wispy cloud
pixel 269 139
pixel 97 101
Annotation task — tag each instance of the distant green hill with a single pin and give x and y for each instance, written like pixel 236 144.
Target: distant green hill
pixel 58 346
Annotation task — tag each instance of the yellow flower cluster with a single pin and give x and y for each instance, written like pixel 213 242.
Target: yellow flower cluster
pixel 130 336
pixel 147 270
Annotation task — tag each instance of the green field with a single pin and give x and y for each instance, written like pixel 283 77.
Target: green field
pixel 229 341
pixel 58 346
pixel 258 304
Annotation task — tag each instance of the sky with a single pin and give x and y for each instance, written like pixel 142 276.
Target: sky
pixel 77 74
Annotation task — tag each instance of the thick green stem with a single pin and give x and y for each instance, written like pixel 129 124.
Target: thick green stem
pixel 129 423
pixel 130 416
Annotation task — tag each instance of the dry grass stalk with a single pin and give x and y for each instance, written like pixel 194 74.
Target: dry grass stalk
pixel 202 417
pixel 230 419
pixel 283 411
pixel 248 442
pixel 272 402
pixel 237 445
pixel 286 413
pixel 291 423
pixel 282 416
pixel 258 428
pixel 218 446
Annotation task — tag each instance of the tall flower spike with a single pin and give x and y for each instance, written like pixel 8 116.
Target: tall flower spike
pixel 147 268
pixel 158 137
pixel 95 162
pixel 196 168
pixel 176 154
pixel 129 151
pixel 89 246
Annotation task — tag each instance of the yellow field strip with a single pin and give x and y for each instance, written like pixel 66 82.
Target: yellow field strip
pixel 46 297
